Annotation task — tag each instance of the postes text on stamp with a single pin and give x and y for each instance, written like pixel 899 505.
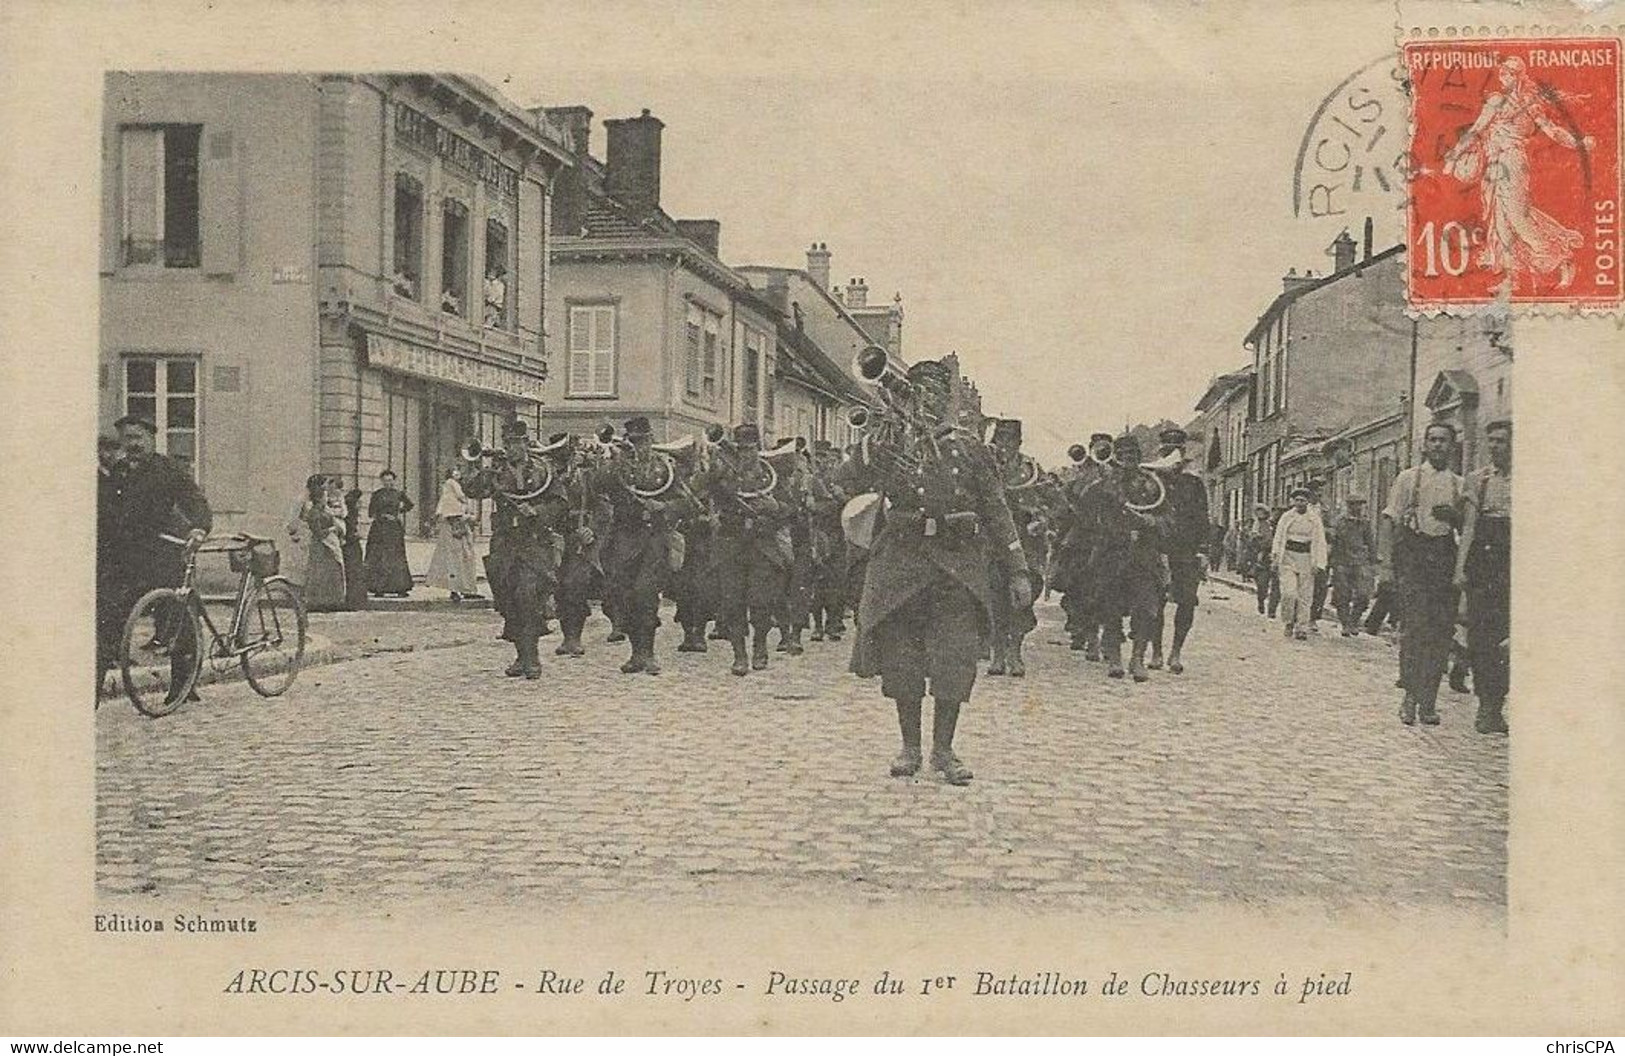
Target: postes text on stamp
pixel 1515 174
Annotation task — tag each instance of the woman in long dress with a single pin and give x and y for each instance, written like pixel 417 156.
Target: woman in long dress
pixel 320 534
pixel 454 566
pixel 355 567
pixel 1494 153
pixel 387 570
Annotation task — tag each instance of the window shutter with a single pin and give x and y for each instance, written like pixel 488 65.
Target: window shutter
pixel 111 195
pixel 604 347
pixel 220 187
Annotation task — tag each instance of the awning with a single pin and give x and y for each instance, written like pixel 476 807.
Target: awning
pixel 422 361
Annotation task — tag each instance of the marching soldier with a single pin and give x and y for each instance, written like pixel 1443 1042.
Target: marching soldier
pixel 524 556
pixel 794 495
pixel 752 567
pixel 829 546
pixel 1122 576
pixel 1011 625
pixel 636 554
pixel 1186 535
pixel 1075 544
pixel 693 587
pixel 926 604
pixel 576 517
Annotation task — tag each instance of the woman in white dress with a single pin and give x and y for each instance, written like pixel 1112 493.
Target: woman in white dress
pixel 454 566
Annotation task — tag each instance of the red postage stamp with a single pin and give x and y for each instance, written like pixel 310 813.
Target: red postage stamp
pixel 1515 172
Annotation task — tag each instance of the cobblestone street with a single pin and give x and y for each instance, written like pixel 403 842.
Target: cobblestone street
pixel 1269 772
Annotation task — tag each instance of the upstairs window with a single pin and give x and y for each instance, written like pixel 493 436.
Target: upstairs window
pixel 703 360
pixel 454 258
pixel 408 278
pixel 592 351
pixel 496 275
pixel 158 191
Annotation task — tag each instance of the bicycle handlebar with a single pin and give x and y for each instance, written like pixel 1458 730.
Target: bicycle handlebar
pixel 243 541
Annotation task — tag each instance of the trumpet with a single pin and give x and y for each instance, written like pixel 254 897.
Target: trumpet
pixel 873 366
pixel 474 451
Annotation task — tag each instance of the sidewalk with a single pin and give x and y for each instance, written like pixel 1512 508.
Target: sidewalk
pixel 335 637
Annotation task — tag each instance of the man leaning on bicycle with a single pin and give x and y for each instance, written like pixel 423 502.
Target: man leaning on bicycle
pixel 148 496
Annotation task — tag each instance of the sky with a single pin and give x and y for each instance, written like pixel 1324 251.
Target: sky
pixel 1091 205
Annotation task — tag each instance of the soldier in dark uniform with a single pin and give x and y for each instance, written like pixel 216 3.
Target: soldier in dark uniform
pixel 636 553
pixel 794 494
pixel 524 555
pixel 1011 625
pixel 1074 544
pixel 694 587
pixel 752 567
pixel 1122 577
pixel 575 517
pixel 926 607
pixel 1186 534
pixel 829 546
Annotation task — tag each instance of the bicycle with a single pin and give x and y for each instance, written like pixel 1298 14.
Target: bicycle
pixel 160 654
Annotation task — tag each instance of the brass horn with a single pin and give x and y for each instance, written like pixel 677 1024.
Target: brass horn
pixel 1143 490
pixel 858 416
pixel 1103 452
pixel 474 451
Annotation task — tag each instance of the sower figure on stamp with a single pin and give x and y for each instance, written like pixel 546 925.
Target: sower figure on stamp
pixel 524 556
pixel 1019 478
pixel 926 606
pixel 1416 546
pixel 829 546
pixel 638 486
pixel 1123 575
pixel 1187 533
pixel 1484 571
pixel 752 569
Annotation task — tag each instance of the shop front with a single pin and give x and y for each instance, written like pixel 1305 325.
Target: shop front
pixel 430 403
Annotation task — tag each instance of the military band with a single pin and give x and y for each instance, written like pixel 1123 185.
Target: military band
pixel 935 537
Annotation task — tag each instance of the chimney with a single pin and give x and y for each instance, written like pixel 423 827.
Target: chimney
pixel 1292 280
pixel 704 233
pixel 857 294
pixel 632 162
pixel 1368 234
pixel 574 121
pixel 1342 251
pixel 818 264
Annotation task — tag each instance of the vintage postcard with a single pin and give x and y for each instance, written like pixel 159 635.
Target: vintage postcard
pixel 833 518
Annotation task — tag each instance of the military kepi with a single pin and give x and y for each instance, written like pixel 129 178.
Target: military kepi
pixel 514 429
pixel 747 433
pixel 637 428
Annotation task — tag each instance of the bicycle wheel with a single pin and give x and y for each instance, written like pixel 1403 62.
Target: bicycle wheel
pixel 159 655
pixel 273 637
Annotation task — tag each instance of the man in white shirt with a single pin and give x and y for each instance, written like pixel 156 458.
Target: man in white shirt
pixel 1416 551
pixel 1299 553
